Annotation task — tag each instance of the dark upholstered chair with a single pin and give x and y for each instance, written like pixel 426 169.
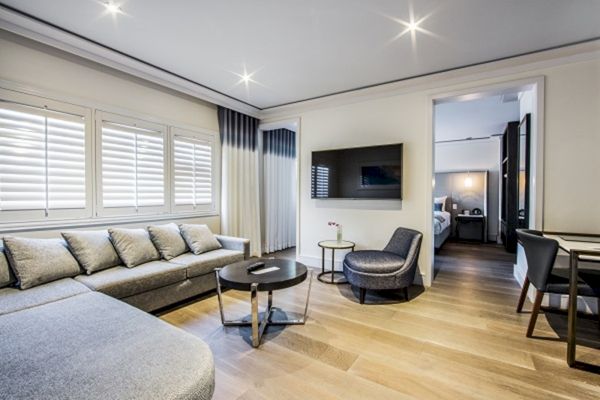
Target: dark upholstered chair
pixel 549 273
pixel 392 268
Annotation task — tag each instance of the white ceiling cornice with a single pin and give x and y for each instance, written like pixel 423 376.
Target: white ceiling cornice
pixel 531 62
pixel 41 32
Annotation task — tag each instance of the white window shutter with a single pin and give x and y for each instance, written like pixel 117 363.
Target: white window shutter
pixel 133 168
pixel 42 163
pixel 193 171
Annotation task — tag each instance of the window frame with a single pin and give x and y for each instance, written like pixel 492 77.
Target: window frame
pixel 56 214
pixel 18 221
pixel 198 135
pixel 102 211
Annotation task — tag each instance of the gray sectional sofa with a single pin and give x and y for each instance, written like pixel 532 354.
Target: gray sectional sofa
pixel 78 336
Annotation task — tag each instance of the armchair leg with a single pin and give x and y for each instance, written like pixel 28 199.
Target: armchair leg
pixel 406 293
pixel 523 295
pixel 539 295
pixel 363 292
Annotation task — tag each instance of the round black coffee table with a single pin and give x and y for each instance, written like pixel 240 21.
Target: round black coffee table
pixel 276 274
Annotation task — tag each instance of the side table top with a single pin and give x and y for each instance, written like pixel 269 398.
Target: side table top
pixel 334 244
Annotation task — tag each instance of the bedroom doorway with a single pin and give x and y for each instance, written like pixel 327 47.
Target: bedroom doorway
pixel 484 171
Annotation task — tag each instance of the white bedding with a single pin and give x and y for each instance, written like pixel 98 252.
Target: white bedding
pixel 439 226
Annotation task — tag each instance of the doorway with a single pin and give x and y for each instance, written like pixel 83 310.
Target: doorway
pixel 476 199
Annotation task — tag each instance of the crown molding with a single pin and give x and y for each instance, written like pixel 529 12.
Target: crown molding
pixel 39 31
pixel 45 33
pixel 445 80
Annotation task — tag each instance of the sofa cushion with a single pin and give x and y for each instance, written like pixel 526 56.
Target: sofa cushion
pixel 7 278
pixel 133 246
pixel 122 282
pixel 199 238
pixel 37 261
pixel 168 240
pixel 13 299
pixel 94 347
pixel 200 264
pixel 92 249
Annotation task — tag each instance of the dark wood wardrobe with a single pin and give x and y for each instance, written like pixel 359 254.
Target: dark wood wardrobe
pixel 515 170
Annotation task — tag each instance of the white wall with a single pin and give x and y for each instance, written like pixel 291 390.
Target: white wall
pixel 475 155
pixel 43 68
pixel 572 137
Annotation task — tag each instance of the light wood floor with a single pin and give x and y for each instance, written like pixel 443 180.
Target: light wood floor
pixel 461 339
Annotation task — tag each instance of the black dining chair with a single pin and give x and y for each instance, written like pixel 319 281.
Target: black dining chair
pixel 549 273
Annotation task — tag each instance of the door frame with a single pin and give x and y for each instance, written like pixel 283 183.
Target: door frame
pixel 534 84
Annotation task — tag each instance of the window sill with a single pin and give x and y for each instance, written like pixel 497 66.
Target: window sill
pixel 13 227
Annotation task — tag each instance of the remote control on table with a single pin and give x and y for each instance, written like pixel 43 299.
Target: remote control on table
pixel 255 266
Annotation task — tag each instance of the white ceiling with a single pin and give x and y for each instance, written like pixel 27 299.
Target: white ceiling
pixel 304 49
pixel 475 118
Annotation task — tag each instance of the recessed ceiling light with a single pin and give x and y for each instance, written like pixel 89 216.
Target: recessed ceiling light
pixel 112 8
pixel 412 26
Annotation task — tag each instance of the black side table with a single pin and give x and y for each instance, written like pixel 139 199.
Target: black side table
pixel 333 245
pixel 464 220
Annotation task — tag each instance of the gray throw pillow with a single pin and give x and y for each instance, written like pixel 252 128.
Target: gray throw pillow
pixel 37 261
pixel 199 238
pixel 7 277
pixel 92 249
pixel 133 246
pixel 168 240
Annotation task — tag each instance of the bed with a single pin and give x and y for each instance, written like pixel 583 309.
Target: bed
pixel 441 227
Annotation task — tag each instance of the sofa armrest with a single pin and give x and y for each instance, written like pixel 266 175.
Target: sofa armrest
pixel 234 243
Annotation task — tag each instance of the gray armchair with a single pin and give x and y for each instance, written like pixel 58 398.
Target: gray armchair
pixel 392 268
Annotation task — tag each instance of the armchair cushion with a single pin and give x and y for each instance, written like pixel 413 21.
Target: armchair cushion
pixel 374 262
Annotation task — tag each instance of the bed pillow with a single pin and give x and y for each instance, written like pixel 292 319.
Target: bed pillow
pixel 133 246
pixel 7 278
pixel 199 238
pixel 37 261
pixel 168 240
pixel 442 201
pixel 92 249
pixel 437 206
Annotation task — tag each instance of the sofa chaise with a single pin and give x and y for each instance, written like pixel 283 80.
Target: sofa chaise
pixel 86 335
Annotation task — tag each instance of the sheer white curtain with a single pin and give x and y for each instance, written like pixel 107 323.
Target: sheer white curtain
pixel 279 189
pixel 240 193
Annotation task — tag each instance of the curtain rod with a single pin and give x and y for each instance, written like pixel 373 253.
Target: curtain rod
pixel 469 139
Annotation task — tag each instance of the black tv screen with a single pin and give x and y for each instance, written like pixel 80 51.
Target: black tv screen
pixel 373 172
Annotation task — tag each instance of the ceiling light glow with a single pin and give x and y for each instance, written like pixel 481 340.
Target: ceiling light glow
pixel 412 26
pixel 112 8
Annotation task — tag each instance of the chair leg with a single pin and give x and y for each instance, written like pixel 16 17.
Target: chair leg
pixel 523 295
pixel 406 294
pixel 363 292
pixel 539 295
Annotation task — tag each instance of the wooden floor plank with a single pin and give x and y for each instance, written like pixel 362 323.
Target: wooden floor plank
pixel 459 339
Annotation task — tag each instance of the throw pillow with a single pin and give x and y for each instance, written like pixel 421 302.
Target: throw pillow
pixel 37 261
pixel 168 240
pixel 7 277
pixel 199 238
pixel 133 246
pixel 92 249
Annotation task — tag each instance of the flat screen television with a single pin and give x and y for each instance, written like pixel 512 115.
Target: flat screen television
pixel 373 172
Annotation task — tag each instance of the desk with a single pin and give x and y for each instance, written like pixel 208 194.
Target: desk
pixel 577 250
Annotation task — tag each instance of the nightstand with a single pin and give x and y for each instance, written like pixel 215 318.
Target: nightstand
pixel 462 226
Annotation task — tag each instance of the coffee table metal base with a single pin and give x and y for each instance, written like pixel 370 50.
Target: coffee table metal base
pixel 258 328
